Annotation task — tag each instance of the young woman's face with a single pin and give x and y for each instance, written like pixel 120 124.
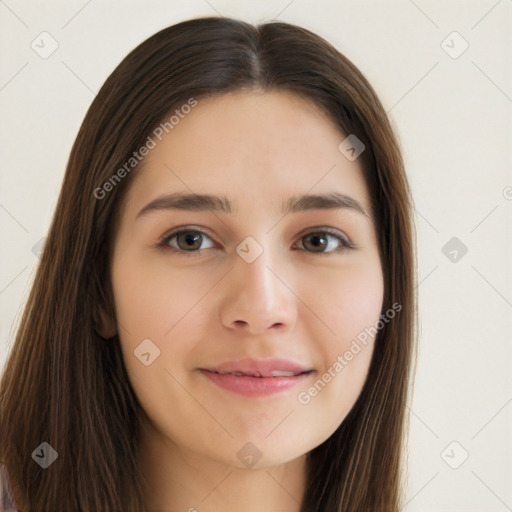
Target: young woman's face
pixel 239 290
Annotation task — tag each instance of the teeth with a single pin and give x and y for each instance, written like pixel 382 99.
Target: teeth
pixel 277 373
pixel 257 374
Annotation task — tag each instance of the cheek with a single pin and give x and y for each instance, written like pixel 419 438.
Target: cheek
pixel 151 303
pixel 163 304
pixel 350 307
pixel 152 297
pixel 350 300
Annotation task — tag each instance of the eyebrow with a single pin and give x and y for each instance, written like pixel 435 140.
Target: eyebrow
pixel 221 204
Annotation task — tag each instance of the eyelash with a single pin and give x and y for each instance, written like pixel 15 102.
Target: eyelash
pixel 163 244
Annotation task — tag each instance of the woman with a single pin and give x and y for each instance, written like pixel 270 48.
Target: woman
pixel 266 370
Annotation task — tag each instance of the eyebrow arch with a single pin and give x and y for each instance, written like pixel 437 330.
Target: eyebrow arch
pixel 295 204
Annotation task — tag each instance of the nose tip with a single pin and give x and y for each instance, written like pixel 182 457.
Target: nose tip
pixel 257 300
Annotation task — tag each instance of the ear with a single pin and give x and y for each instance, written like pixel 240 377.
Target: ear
pixel 104 324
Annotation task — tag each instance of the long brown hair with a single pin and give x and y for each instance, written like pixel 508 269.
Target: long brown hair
pixel 66 385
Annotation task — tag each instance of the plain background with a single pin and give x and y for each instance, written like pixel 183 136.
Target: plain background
pixel 452 110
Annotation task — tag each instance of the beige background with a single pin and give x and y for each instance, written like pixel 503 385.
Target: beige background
pixel 453 113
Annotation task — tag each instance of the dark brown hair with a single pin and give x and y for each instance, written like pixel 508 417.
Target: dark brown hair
pixel 66 385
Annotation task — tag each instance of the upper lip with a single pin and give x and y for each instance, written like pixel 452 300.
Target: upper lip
pixel 259 368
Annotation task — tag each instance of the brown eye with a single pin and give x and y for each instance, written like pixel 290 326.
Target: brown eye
pixel 189 240
pixel 186 241
pixel 316 242
pixel 319 241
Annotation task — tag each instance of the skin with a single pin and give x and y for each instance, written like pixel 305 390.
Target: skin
pixel 258 149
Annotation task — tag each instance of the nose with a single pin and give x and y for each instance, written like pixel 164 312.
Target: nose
pixel 257 297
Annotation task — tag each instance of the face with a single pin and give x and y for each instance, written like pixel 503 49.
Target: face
pixel 238 290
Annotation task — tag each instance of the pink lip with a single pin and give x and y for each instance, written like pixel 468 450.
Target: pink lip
pixel 254 386
pixel 257 379
pixel 260 368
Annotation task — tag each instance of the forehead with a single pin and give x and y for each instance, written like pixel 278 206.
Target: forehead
pixel 263 146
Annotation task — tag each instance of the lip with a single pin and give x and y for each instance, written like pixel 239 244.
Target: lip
pixel 258 367
pixel 257 377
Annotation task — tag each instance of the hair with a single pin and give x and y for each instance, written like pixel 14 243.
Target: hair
pixel 65 384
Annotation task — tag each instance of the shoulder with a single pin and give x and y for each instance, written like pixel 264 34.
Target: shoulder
pixel 7 503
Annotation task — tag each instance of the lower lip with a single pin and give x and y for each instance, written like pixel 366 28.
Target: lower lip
pixel 255 386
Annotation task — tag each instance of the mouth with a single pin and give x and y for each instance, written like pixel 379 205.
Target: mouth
pixel 260 375
pixel 252 384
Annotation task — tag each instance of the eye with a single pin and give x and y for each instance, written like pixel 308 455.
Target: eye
pixel 188 241
pixel 326 238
